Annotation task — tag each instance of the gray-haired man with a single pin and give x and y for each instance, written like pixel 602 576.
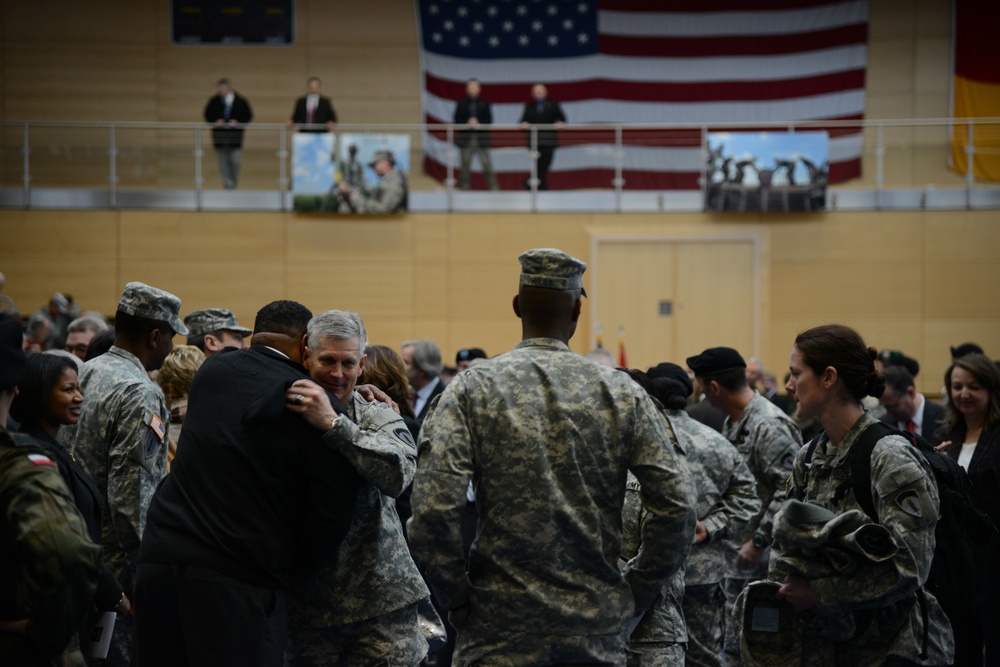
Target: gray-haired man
pixel 423 369
pixel 361 606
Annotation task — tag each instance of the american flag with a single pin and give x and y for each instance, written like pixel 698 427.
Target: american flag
pixel 712 62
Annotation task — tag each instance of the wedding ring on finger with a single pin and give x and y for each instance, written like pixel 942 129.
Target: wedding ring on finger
pixel 298 399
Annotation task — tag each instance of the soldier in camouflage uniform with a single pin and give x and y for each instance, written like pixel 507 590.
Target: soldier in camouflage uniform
pixel 360 607
pixel 727 500
pixel 121 438
pixel 889 615
pixel 547 438
pixel 213 329
pixel 50 566
pixel 390 195
pixel 768 440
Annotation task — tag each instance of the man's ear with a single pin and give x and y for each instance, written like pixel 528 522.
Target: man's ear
pixel 212 344
pixel 517 307
pixel 577 308
pixel 153 339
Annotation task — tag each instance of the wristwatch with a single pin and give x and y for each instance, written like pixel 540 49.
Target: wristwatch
pixel 759 541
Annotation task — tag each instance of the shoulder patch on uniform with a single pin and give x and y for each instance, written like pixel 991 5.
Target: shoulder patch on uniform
pixel 156 424
pixel 909 503
pixel 41 460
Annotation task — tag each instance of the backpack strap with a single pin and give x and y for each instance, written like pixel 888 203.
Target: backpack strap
pixel 861 467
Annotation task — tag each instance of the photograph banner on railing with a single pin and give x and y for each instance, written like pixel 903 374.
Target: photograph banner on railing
pixel 767 171
pixel 350 173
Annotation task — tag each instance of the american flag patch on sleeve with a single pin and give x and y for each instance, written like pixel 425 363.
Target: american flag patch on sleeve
pixel 41 460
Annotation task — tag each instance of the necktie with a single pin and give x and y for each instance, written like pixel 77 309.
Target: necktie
pixel 312 113
pixel 911 426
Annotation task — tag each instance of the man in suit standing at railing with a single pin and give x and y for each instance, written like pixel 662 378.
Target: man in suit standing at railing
pixel 475 112
pixel 312 109
pixel 543 111
pixel 228 111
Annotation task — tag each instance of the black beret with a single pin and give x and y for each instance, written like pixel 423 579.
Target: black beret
pixel 965 349
pixel 668 371
pixel 897 358
pixel 716 361
pixel 470 353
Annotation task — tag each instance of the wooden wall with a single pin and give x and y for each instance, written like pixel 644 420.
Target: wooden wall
pixel 918 282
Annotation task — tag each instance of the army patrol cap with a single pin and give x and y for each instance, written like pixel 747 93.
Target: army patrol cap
pixel 668 371
pixel 716 361
pixel 13 361
pixel 963 350
pixel 209 320
pixel 381 155
pixel 551 268
pixel 141 300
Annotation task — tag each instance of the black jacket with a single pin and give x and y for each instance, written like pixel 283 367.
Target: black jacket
pixel 483 113
pixel 984 473
pixel 89 501
pixel 933 418
pixel 253 491
pixel 228 137
pixel 325 113
pixel 550 114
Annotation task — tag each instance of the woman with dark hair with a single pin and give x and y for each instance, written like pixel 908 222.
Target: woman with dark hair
pixel 49 397
pixel 385 369
pixel 971 435
pixel 876 612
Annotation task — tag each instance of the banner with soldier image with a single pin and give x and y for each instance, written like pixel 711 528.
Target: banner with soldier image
pixel 350 173
pixel 767 171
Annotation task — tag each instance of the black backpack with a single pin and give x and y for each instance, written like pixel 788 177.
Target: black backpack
pixel 961 534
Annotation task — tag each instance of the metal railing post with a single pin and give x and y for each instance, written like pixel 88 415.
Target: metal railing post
pixel 113 170
pixel 199 181
pixel 618 182
pixel 970 176
pixel 533 179
pixel 879 155
pixel 26 168
pixel 449 180
pixel 283 168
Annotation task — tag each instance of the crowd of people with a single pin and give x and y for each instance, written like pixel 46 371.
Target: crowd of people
pixel 294 494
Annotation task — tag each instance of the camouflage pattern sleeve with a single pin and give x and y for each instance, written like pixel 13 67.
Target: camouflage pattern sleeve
pixel 379 446
pixel 444 469
pixel 668 498
pixel 907 504
pixel 44 533
pixel 780 441
pixel 137 460
pixel 386 197
pixel 739 501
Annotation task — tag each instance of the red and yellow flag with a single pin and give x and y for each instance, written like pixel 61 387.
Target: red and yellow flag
pixel 977 87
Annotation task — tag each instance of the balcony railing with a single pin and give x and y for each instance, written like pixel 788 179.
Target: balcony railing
pixel 902 164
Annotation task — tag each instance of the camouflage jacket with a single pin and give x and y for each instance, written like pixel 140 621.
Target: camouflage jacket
pixel 664 621
pixel 371 572
pixel 388 196
pixel 121 442
pixel 50 566
pixel 768 439
pixel 727 494
pixel 548 438
pixel 887 617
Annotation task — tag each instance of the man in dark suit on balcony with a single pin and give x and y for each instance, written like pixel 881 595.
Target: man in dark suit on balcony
pixel 543 111
pixel 228 112
pixel 312 109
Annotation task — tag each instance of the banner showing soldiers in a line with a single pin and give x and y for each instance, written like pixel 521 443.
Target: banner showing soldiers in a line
pixel 350 173
pixel 767 171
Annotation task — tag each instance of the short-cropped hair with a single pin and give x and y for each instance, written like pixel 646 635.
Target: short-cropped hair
pixel 179 368
pixel 91 323
pixel 339 325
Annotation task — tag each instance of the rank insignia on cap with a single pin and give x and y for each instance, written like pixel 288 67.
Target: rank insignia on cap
pixel 157 425
pixel 41 460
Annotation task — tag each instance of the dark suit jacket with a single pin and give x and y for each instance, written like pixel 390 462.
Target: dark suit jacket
pixel 325 113
pixel 427 406
pixel 483 113
pixel 228 137
pixel 984 473
pixel 933 418
pixel 550 114
pixel 253 491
